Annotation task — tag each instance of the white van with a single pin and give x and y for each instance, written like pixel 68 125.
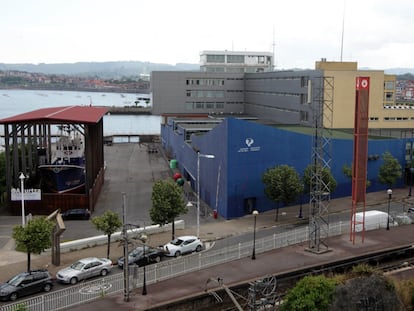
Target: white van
pixel 373 220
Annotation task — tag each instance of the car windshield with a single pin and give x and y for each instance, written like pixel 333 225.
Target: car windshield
pixel 16 280
pixel 77 265
pixel 137 252
pixel 176 242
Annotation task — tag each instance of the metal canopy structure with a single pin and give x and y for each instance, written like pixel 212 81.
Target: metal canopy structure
pixel 28 133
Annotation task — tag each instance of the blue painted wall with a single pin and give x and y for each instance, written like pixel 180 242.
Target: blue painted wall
pixel 244 150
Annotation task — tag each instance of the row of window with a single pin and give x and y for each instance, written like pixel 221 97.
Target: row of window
pixel 203 105
pixel 392 119
pixel 208 82
pixel 205 93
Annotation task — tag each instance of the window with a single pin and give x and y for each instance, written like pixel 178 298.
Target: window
pixel 215 59
pixel 389 85
pixel 235 59
pixel 303 99
pixel 304 81
pixel 388 96
pixel 189 106
pixel 304 116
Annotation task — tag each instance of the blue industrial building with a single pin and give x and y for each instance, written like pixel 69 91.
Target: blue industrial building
pixel 244 149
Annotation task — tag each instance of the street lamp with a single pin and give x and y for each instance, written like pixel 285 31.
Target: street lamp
pixel 255 213
pixel 22 178
pixel 144 238
pixel 200 155
pixel 389 192
pixel 411 180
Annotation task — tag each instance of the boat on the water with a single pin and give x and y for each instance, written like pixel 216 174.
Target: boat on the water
pixel 66 173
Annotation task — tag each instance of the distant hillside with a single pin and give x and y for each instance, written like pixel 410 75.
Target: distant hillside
pixel 120 69
pixel 104 70
pixel 399 71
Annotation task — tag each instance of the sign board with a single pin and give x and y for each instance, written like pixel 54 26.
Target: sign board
pixel 28 195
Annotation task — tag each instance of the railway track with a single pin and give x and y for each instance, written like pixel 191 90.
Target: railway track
pixel 388 261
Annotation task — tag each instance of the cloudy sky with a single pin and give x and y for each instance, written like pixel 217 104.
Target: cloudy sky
pixel 378 34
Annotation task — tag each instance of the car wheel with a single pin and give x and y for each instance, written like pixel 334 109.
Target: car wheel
pixel 177 254
pixel 157 259
pixel 73 281
pixel 104 272
pixel 47 287
pixel 13 296
pixel 199 248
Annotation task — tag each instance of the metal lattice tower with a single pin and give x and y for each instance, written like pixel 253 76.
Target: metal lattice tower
pixel 322 101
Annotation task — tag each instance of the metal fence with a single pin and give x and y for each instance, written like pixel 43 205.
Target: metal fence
pixel 112 284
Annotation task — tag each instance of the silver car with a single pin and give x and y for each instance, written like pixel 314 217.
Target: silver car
pixel 182 245
pixel 83 269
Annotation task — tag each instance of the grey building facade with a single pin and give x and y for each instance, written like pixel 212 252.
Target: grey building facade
pixel 278 96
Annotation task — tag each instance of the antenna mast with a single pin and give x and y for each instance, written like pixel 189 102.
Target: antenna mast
pixel 343 31
pixel 274 49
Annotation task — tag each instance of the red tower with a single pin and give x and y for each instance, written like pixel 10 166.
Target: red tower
pixel 359 164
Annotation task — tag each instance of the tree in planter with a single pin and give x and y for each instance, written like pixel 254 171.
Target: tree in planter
pixel 282 184
pixel 390 171
pixel 108 223
pixel 34 237
pixel 167 203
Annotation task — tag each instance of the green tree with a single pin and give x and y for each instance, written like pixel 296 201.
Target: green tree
pixel 327 178
pixel 347 170
pixel 34 237
pixel 282 184
pixel 312 293
pixel 390 171
pixel 108 223
pixel 167 203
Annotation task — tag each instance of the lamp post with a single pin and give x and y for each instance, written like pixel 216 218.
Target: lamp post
pixel 22 178
pixel 144 285
pixel 200 155
pixel 255 213
pixel 411 180
pixel 125 240
pixel 389 192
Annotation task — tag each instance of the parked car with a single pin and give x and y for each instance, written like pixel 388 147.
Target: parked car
pixel 84 269
pixel 136 256
pixel 183 245
pixel 26 283
pixel 76 214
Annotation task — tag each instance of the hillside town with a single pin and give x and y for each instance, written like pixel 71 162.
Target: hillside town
pixel 12 79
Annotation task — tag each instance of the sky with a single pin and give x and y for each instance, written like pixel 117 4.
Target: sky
pixel 378 34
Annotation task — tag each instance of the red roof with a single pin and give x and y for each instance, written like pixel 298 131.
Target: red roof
pixel 74 114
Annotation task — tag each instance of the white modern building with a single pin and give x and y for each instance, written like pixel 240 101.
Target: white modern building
pixel 236 62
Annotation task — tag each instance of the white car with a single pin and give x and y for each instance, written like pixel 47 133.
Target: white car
pixel 83 269
pixel 183 245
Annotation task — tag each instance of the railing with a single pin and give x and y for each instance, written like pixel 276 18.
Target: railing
pixel 112 284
